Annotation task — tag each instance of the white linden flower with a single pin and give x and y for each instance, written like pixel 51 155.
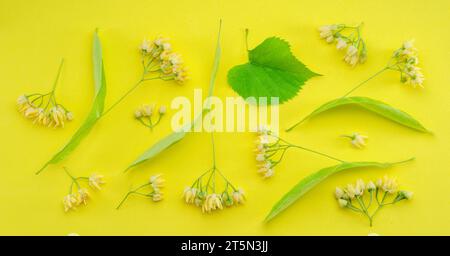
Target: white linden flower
pixel 263 139
pixel 83 196
pixel 351 57
pixel 389 185
pixel 339 193
pixel 69 116
pixel 69 201
pixel 269 173
pixel 156 181
pixel 137 114
pixel 95 181
pixel 351 192
pixel 212 202
pixel 371 186
pixel 341 44
pixel 190 194
pixel 145 46
pixel 162 110
pixel 22 99
pixel 360 187
pixel 407 194
pixel 147 110
pixel 327 31
pixel 379 183
pixel 261 157
pixel 358 140
pixel 238 196
pixel 157 196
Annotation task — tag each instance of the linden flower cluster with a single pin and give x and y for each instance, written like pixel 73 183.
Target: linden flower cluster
pixel 43 109
pixel 270 150
pixel 352 196
pixel 266 151
pixel 357 140
pixel 47 113
pixel 347 38
pixel 153 186
pixel 158 59
pixel 405 60
pixel 74 199
pixel 205 193
pixel 144 115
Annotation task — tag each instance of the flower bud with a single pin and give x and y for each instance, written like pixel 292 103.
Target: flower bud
pixel 342 203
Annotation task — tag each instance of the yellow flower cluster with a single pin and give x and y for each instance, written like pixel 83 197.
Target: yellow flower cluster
pixel 52 115
pixel 406 61
pixel 204 194
pixel 265 151
pixel 159 58
pixel 346 37
pixel 145 112
pixel 72 200
pixel 352 196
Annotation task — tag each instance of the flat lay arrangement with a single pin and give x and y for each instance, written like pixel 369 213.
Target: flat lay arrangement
pixel 85 160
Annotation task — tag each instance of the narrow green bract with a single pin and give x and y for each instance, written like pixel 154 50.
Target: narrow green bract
pixel 174 137
pixel 314 179
pixel 96 109
pixel 272 71
pixel 374 106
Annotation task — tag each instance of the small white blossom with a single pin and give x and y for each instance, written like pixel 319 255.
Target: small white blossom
pixel 407 194
pixel 341 44
pixel 95 181
pixel 339 193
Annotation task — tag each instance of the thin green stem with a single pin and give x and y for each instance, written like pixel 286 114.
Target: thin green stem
pixel 134 191
pixel 122 98
pixel 365 81
pixel 319 153
pixel 246 39
pixel 124 199
pixel 213 150
pixel 58 75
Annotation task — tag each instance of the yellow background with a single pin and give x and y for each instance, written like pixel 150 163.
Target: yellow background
pixel 36 34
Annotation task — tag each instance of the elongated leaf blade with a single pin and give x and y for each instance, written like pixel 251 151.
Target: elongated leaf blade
pixel 175 137
pixel 314 179
pixel 374 106
pixel 96 109
pixel 158 147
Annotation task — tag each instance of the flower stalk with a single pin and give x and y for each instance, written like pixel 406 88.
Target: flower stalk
pixel 155 183
pixel 271 149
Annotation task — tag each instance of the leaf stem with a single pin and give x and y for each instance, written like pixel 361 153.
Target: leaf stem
pixel 246 39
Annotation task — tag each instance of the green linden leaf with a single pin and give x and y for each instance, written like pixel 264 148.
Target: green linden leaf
pixel 272 71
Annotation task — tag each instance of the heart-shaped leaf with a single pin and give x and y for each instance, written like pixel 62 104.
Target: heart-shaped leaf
pixel 272 71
